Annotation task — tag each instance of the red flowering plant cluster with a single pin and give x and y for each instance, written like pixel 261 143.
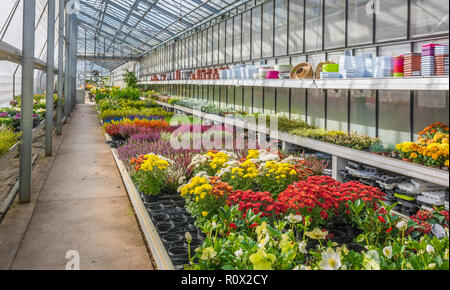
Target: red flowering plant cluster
pixel 256 202
pixel 322 197
pixel 423 221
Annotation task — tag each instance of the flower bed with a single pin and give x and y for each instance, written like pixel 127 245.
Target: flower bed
pixel 263 210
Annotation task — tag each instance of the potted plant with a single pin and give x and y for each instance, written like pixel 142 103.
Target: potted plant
pixel 377 148
pixel 150 174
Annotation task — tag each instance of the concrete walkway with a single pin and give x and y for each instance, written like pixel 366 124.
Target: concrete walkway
pixel 83 207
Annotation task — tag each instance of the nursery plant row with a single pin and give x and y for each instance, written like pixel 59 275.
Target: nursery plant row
pixel 258 209
pixel 425 159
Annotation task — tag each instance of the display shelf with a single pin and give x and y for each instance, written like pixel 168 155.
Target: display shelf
pixel 419 83
pixel 421 172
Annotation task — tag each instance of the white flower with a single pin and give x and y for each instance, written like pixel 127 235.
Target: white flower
pixel 304 268
pixel 188 237
pixel 302 247
pixel 294 219
pixel 264 241
pixel 239 253
pixel 402 225
pixel 213 225
pixel 202 174
pixel 430 249
pixel 431 266
pixel 296 268
pixel 388 252
pixel 182 180
pixel 330 260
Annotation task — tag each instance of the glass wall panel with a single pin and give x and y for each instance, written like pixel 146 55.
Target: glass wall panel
pixel 316 108
pixel 194 50
pixel 337 110
pixel 258 100
pixel 394 118
pixel 222 43
pixel 248 99
pixel 313 32
pixel 223 96
pixel 395 50
pixel 199 49
pixel 230 96
pixel 210 93
pixel 392 21
pixel 209 56
pixel 216 95
pixel 215 44
pixel 238 98
pixel 256 32
pixel 229 41
pixel 429 17
pixel 200 92
pixel 430 107
pixel 298 104
pixel 267 35
pixel 283 102
pixel 204 46
pixel 296 16
pixel 363 112
pixel 334 23
pixel 269 101
pixel 237 38
pixel 281 26
pixel 246 35
pixel 360 23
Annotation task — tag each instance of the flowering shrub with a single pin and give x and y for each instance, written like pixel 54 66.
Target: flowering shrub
pixel 322 197
pixel 212 162
pixel 257 202
pixel 431 149
pixel 127 127
pixel 351 140
pixel 423 221
pixel 205 195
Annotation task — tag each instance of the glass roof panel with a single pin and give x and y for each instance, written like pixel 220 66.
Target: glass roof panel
pixel 138 26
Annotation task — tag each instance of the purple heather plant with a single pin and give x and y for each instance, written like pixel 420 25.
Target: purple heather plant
pixel 146 135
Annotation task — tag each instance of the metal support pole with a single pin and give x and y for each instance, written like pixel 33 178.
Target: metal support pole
pixel 73 58
pixel 67 68
pixel 26 120
pixel 50 77
pixel 59 110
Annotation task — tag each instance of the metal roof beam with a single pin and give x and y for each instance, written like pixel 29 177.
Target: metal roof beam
pixel 113 18
pixel 137 16
pixel 105 34
pixel 135 4
pixel 110 36
pixel 209 7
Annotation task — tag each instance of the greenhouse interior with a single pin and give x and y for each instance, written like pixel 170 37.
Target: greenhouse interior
pixel 224 135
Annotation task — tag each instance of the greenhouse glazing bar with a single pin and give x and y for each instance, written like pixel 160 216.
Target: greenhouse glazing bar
pixel 59 110
pixel 50 78
pixel 26 121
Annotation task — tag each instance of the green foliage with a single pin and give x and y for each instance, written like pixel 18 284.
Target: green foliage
pixel 131 79
pixel 7 138
pixel 150 112
pixel 117 104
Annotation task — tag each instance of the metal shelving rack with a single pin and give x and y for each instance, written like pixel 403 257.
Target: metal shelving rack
pixel 339 154
pixel 419 84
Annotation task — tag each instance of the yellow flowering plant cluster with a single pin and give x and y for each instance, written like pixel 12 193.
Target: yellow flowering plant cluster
pixel 212 162
pixel 205 195
pixel 431 149
pixel 275 176
pixel 150 174
pixel 263 170
pixel 240 175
